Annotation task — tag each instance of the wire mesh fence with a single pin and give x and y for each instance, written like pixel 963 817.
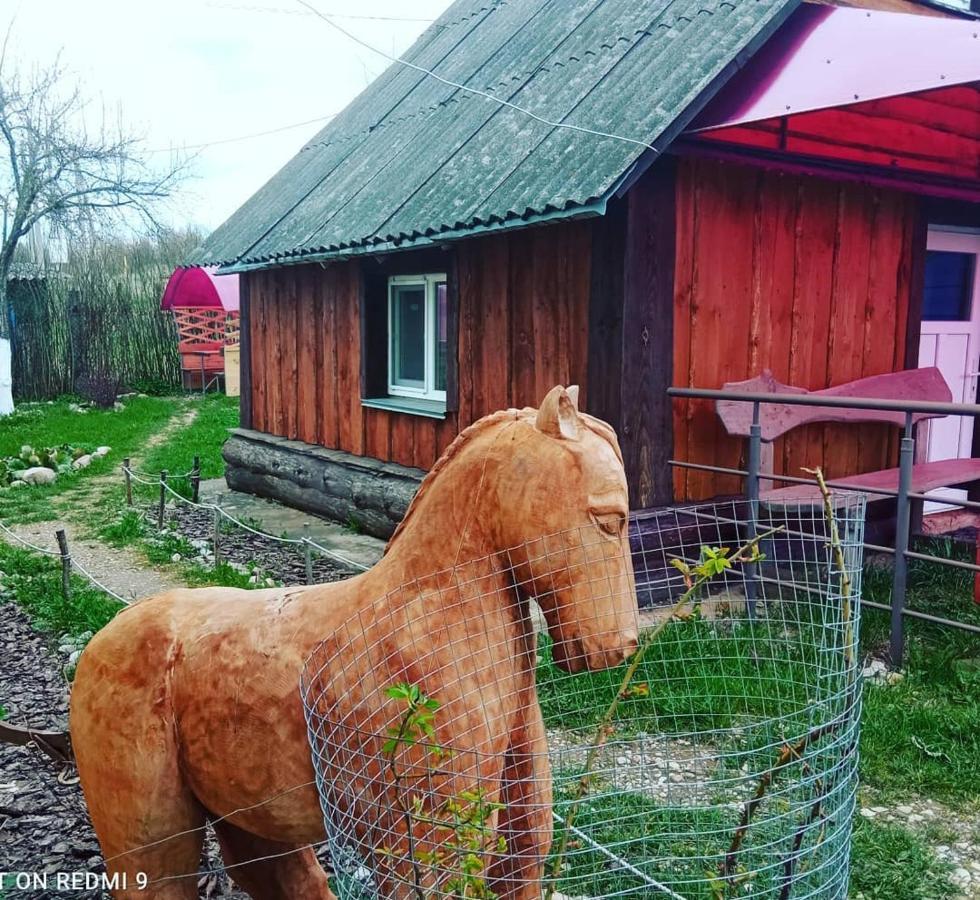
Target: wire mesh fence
pixel 720 762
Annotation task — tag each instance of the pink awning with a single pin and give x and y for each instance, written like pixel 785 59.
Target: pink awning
pixel 200 288
pixel 827 57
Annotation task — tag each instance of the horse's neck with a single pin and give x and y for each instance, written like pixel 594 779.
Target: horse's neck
pixel 453 520
pixel 448 540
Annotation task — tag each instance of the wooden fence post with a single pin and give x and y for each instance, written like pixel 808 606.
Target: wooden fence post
pixel 163 499
pixel 196 480
pixel 217 530
pixel 65 563
pixel 129 482
pixel 308 552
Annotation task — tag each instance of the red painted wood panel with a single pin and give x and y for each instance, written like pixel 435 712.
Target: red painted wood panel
pixel 935 132
pixel 805 276
pixel 529 287
pixel 307 319
pixel 258 313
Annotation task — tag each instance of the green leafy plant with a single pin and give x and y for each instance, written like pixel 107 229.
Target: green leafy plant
pixel 58 459
pixel 461 823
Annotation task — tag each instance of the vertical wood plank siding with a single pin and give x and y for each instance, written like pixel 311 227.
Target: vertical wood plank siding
pixel 523 328
pixel 809 278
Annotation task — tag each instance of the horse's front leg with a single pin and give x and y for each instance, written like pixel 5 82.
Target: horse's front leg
pixel 525 821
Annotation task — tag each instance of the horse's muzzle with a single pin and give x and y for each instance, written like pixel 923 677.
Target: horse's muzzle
pixel 577 655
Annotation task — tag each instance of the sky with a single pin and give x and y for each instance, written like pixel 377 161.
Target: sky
pixel 186 72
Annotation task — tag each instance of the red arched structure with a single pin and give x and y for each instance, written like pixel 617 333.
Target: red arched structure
pixel 205 307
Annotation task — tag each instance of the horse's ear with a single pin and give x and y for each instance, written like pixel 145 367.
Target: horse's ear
pixel 557 415
pixel 573 396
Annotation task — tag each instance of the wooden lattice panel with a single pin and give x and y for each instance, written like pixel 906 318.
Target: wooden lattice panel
pixel 207 326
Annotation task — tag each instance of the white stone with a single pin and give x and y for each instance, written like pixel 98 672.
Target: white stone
pixel 875 669
pixel 867 813
pixel 175 558
pixel 38 475
pixel 83 462
pixel 99 452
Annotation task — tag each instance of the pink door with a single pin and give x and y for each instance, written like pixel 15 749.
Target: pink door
pixel 951 340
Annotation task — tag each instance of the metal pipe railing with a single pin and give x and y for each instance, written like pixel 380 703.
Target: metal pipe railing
pixel 904 495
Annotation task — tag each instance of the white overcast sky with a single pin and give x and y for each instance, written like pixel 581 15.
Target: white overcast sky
pixel 186 72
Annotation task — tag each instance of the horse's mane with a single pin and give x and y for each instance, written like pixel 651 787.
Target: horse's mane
pixel 597 426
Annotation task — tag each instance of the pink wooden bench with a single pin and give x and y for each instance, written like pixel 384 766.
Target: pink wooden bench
pixel 777 419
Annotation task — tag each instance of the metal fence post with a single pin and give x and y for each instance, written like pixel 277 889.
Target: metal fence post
pixel 752 488
pixel 65 563
pixel 900 576
pixel 129 482
pixel 308 552
pixel 163 499
pixel 196 480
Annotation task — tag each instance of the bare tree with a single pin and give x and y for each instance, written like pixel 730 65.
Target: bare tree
pixel 59 172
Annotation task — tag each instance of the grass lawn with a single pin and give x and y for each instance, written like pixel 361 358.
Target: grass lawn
pixel 34 582
pixel 45 425
pixel 216 416
pixel 923 735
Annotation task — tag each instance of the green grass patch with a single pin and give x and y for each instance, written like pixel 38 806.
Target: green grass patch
pixel 203 437
pixel 53 424
pixel 34 582
pixel 889 862
pixel 922 736
pixel 697 676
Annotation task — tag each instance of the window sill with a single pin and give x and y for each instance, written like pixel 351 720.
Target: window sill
pixel 430 409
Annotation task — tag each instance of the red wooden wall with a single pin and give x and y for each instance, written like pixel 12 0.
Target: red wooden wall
pixel 807 277
pixel 523 328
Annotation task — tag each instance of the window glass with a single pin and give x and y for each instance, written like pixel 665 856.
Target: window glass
pixel 408 324
pixel 948 287
pixel 442 336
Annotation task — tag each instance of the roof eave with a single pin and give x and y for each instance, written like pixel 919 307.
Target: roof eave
pixel 589 210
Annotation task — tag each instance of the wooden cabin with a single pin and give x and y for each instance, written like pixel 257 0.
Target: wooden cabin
pixel 690 192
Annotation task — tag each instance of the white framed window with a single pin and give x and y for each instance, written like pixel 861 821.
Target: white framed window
pixel 417 336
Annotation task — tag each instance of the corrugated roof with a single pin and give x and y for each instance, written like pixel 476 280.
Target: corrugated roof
pixel 413 160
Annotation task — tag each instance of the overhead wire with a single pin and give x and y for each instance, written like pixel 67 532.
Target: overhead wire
pixel 243 137
pixel 469 90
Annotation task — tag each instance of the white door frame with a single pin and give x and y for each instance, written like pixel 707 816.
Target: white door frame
pixel 952 437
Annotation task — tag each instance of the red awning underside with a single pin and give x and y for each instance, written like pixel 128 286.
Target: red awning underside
pixel 895 93
pixel 933 133
pixel 200 288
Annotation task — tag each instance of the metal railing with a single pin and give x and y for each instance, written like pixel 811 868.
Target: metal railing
pixel 904 495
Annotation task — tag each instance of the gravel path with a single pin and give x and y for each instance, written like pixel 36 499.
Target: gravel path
pixel 123 571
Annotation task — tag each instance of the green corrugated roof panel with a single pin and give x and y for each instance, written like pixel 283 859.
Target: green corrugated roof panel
pixel 413 158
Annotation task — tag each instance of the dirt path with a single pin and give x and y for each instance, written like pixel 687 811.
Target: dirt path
pixel 121 570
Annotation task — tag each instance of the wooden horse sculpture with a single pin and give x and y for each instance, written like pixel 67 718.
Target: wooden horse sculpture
pixel 186 707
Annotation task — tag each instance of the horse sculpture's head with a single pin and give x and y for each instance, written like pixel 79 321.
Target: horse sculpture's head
pixel 563 506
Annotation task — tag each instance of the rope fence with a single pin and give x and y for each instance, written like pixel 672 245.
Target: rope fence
pixel 163 482
pixel 70 563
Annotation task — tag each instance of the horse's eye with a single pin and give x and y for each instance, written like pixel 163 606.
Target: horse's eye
pixel 611 523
